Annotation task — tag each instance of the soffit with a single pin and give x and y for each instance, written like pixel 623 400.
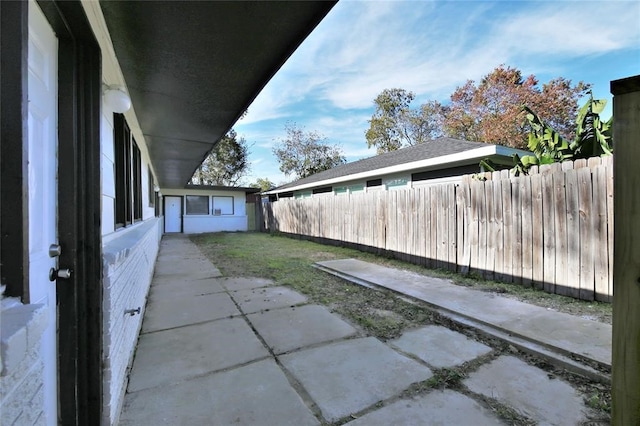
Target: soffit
pixel 193 67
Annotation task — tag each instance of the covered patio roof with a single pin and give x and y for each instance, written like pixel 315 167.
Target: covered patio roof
pixel 193 67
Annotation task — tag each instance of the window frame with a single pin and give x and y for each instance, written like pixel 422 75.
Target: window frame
pixel 127 175
pixel 213 205
pixel 186 205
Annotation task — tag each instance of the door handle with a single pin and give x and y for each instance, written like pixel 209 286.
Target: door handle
pixel 55 250
pixel 54 274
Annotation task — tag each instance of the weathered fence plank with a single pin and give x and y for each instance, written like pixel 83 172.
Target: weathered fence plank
pixel 516 213
pixel 548 230
pixel 498 233
pixel 474 229
pixel 536 228
pixel 451 232
pixel 433 222
pixel 508 230
pixel 489 266
pixel 559 200
pixel 601 249
pixel 586 260
pixel 527 231
pixel 573 233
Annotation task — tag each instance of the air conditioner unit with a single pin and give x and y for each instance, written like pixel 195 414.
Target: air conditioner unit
pixel 217 212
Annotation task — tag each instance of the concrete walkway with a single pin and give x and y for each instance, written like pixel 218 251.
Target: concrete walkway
pixel 244 351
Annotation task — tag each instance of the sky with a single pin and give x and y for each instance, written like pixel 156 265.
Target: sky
pixel 430 48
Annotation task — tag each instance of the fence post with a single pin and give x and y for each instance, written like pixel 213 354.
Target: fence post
pixel 626 301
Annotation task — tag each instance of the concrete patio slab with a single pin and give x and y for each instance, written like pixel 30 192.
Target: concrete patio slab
pixel 564 333
pixel 266 298
pixel 180 311
pixel 244 283
pixel 256 394
pixel 437 408
pixel 530 390
pixel 346 377
pixel 292 328
pixel 186 288
pixel 440 347
pixel 170 356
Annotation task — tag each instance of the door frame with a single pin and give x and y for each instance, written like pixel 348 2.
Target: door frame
pixel 80 374
pixel 164 211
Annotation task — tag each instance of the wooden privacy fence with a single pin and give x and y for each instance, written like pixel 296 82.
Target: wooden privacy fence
pixel 552 229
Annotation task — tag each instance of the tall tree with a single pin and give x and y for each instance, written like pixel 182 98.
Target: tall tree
pixel 264 184
pixel 226 164
pixel 492 110
pixel 395 125
pixel 303 153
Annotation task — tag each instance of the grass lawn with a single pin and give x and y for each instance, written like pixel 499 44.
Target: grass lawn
pixel 289 262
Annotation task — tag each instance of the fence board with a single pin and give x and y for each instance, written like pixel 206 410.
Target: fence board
pixel 548 230
pixel 516 213
pixel 441 228
pixel 537 226
pixel 601 255
pixel 433 226
pixel 527 231
pixel 490 245
pixel 465 190
pixel 451 232
pixel 427 226
pixel 508 231
pixel 586 234
pixel 474 229
pixel 560 202
pixel 460 224
pixel 573 233
pixel 498 233
pixel 610 242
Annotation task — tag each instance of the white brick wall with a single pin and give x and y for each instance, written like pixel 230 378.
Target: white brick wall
pixel 22 377
pixel 129 259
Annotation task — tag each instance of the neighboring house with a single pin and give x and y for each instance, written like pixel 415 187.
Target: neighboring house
pixel 443 160
pixel 80 225
pixel 197 209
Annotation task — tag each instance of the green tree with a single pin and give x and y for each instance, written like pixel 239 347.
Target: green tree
pixel 303 153
pixel 226 164
pixel 395 125
pixel 264 184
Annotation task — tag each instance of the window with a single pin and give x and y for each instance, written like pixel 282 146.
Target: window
pixel 197 204
pixel 128 185
pixel 152 188
pixel 222 205
pixel 374 182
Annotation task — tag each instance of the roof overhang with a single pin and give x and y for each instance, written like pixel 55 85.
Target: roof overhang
pixel 494 152
pixel 193 67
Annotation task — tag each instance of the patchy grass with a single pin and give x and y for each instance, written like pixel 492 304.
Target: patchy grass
pixel 289 262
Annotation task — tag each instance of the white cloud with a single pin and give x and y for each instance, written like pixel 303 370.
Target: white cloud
pixel 361 48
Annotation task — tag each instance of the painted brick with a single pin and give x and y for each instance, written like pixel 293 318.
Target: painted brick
pixel 23 402
pixel 129 261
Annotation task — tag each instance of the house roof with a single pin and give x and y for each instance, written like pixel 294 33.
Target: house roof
pixel 437 153
pixel 193 67
pixel 246 189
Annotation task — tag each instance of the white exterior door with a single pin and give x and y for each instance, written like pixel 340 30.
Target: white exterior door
pixel 172 214
pixel 42 174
